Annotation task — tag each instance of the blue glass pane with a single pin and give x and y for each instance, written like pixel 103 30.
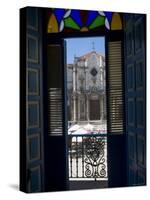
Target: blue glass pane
pixel 91 16
pixel 59 13
pixel 108 16
pixel 75 14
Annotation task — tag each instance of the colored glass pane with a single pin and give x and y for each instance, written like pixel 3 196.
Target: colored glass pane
pixel 82 20
pixel 52 24
pixel 59 13
pixel 108 16
pixel 99 21
pixel 91 16
pixel 70 23
pixel 116 23
pixel 84 29
pixel 75 15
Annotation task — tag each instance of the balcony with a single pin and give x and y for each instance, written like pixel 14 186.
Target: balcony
pixel 87 157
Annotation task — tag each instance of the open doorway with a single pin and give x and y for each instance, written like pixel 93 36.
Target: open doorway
pixel 86 110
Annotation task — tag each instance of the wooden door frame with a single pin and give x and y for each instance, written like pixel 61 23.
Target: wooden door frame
pixel 106 35
pixel 84 35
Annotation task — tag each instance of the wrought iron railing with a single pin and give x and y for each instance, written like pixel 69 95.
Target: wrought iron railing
pixel 87 156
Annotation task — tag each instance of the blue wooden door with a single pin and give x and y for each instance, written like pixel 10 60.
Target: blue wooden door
pixel 31 102
pixel 135 71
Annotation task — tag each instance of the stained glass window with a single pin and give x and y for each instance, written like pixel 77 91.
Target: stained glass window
pixel 65 20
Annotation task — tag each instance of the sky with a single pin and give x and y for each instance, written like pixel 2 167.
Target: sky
pixel 81 46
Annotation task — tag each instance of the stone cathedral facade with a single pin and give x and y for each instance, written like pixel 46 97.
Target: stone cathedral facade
pixel 86 84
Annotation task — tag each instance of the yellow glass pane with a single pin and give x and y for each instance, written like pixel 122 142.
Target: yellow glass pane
pixel 84 29
pixel 52 24
pixel 116 23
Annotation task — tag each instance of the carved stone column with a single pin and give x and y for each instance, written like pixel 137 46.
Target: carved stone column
pixel 87 108
pixel 101 107
pixel 74 92
pixel 74 108
pixel 78 114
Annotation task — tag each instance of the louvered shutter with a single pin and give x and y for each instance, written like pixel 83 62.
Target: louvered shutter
pixel 115 87
pixel 55 87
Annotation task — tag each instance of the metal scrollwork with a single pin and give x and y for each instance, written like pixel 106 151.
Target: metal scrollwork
pixel 94 148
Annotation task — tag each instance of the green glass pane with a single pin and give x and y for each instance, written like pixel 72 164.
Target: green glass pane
pixel 99 21
pixel 70 23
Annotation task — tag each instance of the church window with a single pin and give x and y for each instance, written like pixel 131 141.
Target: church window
pixel 94 72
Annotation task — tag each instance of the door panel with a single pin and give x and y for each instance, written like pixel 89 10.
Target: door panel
pixel 135 97
pixel 31 104
pixel 55 109
pixel 115 110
